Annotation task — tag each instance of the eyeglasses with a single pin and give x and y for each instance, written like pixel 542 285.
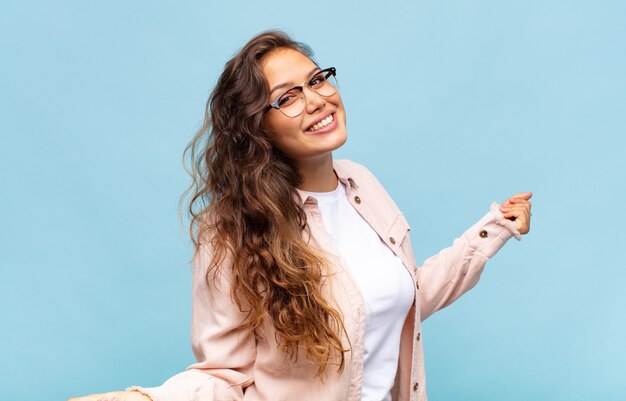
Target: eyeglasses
pixel 293 102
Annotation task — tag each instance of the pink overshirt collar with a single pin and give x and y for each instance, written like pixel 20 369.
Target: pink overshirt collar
pixel 344 177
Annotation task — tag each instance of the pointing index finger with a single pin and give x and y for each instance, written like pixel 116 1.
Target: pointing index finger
pixel 523 195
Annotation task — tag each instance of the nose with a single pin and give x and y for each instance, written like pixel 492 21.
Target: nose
pixel 314 101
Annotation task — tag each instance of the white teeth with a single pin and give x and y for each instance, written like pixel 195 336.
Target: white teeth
pixel 321 124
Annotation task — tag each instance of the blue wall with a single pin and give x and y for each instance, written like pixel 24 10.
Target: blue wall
pixel 452 104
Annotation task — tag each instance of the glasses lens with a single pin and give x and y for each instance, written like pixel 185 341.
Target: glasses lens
pixel 324 83
pixel 291 103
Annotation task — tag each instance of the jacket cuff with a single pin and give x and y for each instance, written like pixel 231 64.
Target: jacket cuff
pixel 193 385
pixel 510 225
pixel 145 391
pixel 189 385
pixel 491 232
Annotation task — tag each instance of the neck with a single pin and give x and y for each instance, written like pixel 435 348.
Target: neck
pixel 317 175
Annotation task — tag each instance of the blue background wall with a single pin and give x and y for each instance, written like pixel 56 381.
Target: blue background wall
pixel 452 104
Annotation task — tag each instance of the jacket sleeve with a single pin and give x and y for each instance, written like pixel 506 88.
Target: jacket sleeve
pixel 225 353
pixel 446 276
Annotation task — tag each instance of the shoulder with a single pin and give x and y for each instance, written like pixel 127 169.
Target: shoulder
pixel 364 182
pixel 349 169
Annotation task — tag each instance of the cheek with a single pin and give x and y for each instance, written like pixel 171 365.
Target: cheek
pixel 338 102
pixel 282 130
pixel 287 126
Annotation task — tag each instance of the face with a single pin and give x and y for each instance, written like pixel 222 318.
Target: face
pixel 320 128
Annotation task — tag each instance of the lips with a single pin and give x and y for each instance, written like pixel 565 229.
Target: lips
pixel 321 123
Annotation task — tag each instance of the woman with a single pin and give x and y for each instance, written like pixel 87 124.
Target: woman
pixel 305 285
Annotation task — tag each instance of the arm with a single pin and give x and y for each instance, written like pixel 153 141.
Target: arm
pixel 443 278
pixel 225 353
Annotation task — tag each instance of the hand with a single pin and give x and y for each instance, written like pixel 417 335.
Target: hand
pixel 517 209
pixel 114 396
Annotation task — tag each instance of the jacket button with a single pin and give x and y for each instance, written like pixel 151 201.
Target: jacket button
pixel 483 234
pixel 415 386
pixel 392 240
pixel 357 199
pixel 419 335
pixel 417 285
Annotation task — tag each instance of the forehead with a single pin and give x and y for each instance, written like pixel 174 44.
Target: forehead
pixel 286 66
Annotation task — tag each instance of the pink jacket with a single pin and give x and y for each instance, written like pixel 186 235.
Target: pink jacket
pixel 237 365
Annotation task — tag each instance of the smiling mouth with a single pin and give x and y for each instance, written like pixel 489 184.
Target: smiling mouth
pixel 322 124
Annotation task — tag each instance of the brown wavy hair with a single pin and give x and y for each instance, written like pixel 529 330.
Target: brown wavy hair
pixel 243 202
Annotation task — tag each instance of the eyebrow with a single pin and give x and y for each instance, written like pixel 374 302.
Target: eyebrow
pixel 289 83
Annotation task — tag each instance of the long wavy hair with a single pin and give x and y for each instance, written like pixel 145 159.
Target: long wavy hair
pixel 243 202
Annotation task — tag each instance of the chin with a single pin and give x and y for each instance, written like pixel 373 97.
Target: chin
pixel 342 140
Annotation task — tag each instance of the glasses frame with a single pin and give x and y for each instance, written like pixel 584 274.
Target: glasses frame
pixel 328 72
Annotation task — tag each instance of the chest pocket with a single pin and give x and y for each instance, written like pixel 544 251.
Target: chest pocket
pixel 396 235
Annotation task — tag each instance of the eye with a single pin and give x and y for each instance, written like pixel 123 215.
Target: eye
pixel 288 98
pixel 318 80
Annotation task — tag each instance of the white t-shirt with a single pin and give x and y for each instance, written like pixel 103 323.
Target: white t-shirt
pixel 386 286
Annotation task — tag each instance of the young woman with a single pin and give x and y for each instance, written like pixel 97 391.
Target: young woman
pixel 304 283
